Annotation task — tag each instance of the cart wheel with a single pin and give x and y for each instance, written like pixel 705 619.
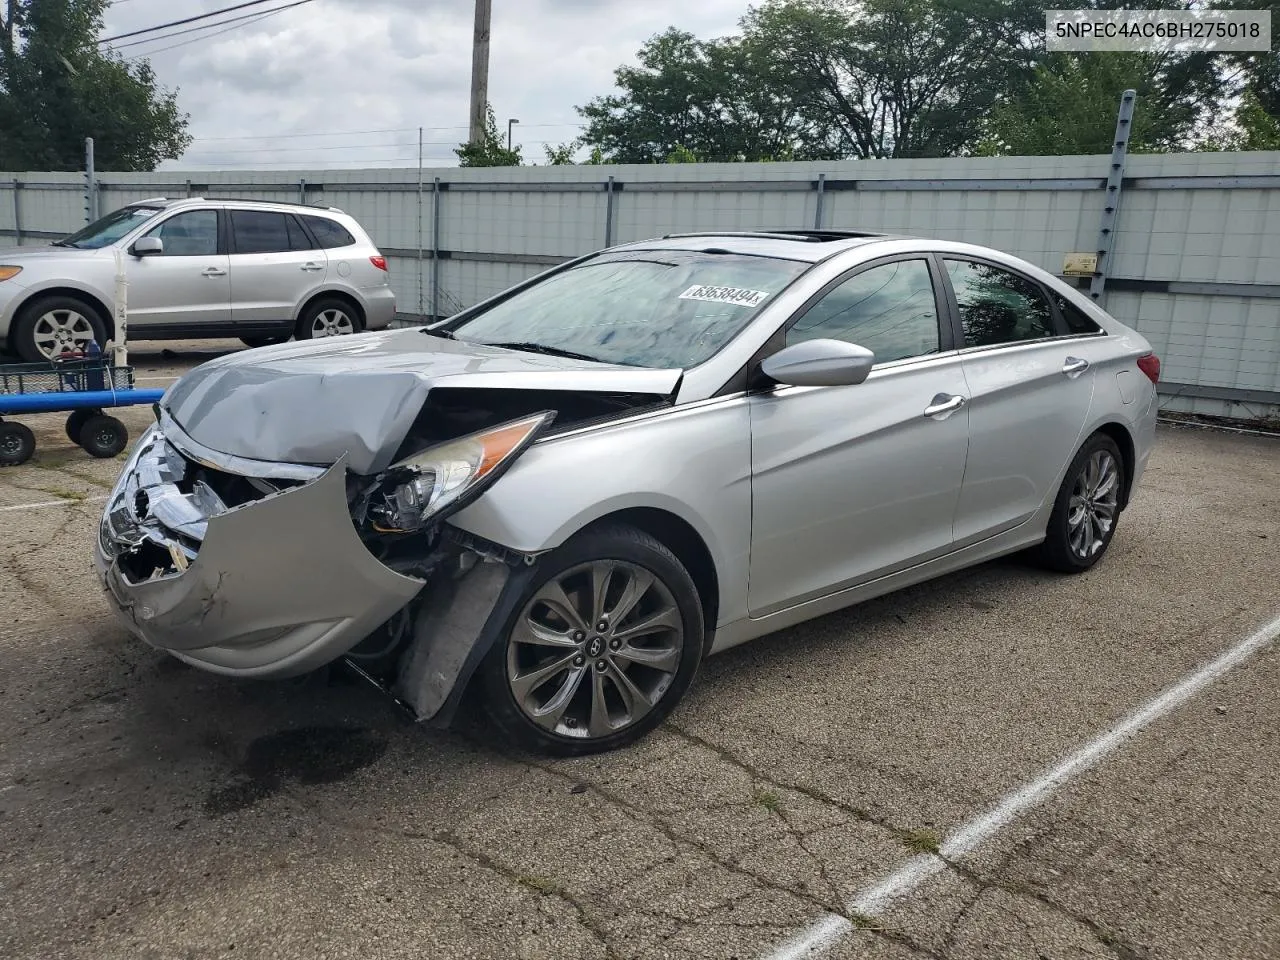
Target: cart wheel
pixel 17 444
pixel 103 437
pixel 76 422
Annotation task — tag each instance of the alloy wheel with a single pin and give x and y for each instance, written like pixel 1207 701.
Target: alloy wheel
pixel 595 650
pixel 332 323
pixel 61 331
pixel 1095 498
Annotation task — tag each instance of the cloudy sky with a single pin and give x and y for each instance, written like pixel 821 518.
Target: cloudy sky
pixel 307 86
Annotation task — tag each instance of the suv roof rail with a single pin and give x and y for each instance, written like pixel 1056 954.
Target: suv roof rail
pixel 803 236
pixel 278 203
pixel 139 203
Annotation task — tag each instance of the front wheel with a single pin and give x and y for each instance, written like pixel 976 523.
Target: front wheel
pixel 17 444
pixel 103 437
pixel 1087 509
pixel 606 642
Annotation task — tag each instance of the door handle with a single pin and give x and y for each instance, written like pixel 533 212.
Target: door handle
pixel 312 267
pixel 944 405
pixel 1075 366
pixel 214 272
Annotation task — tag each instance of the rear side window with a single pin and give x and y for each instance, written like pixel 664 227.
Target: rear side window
pixel 298 239
pixel 997 306
pixel 257 231
pixel 329 233
pixel 1076 320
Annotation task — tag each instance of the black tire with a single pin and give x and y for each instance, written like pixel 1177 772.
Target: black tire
pixel 17 444
pixel 1058 551
pixel 103 437
pixel 24 330
pixel 76 422
pixel 263 341
pixel 306 329
pixel 636 550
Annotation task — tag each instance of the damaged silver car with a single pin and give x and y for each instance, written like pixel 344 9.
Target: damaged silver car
pixel 564 498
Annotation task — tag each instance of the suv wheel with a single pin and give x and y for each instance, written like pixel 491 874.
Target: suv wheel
pixel 328 318
pixel 51 326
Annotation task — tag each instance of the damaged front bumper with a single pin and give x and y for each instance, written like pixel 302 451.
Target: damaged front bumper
pixel 248 576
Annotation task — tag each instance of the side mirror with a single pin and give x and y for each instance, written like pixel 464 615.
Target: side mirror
pixel 820 363
pixel 147 247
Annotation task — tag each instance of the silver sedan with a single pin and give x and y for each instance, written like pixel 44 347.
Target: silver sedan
pixel 562 499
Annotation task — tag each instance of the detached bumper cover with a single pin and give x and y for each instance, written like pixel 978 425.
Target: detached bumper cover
pixel 275 587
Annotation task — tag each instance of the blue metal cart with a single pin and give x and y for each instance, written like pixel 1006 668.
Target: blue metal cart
pixel 84 386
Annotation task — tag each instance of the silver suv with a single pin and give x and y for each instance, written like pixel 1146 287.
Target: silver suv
pixel 263 272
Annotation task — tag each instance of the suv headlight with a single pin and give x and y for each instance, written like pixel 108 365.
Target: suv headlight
pixel 444 478
pixel 8 273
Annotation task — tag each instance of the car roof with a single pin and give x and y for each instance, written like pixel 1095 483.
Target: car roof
pixel 169 202
pixel 809 246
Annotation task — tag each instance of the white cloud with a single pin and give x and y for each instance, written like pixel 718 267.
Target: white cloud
pixel 334 66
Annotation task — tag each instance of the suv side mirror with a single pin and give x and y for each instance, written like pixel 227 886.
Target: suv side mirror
pixel 147 247
pixel 820 363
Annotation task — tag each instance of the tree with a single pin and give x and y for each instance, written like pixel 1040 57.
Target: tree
pixel 561 155
pixel 1069 106
pixel 57 87
pixel 489 151
pixel 719 99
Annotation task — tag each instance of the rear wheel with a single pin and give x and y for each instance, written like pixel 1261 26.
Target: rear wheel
pixel 51 326
pixel 103 437
pixel 17 444
pixel 76 422
pixel 329 317
pixel 606 642
pixel 1087 509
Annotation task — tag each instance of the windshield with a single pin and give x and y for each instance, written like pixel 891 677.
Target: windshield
pixel 644 308
pixel 110 228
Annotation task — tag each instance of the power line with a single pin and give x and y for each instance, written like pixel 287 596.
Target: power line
pixel 207 36
pixel 179 23
pixel 209 26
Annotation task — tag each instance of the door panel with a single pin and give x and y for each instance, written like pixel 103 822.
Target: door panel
pixel 273 268
pixel 189 284
pixel 1030 398
pixel 851 483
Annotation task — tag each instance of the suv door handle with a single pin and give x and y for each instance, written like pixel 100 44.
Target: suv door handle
pixel 944 405
pixel 312 267
pixel 214 272
pixel 1075 366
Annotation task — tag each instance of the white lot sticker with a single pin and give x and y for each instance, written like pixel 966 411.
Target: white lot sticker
pixel 735 295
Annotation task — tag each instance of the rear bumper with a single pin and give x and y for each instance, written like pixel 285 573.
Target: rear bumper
pixel 380 307
pixel 275 587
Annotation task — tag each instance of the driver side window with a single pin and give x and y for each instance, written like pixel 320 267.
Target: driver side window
pixel 190 234
pixel 890 309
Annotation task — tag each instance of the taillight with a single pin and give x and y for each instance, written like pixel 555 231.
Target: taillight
pixel 379 262
pixel 1149 364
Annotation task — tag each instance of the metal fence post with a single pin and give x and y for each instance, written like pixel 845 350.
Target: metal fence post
pixel 17 212
pixel 608 213
pixel 822 196
pixel 302 190
pixel 422 297
pixel 89 181
pixel 435 249
pixel 1111 205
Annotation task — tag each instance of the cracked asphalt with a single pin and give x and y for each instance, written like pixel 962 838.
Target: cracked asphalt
pixel 151 811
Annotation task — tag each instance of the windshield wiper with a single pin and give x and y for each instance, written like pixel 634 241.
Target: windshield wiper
pixel 543 349
pixel 446 334
pixel 63 243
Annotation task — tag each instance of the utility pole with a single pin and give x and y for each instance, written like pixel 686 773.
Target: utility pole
pixel 480 70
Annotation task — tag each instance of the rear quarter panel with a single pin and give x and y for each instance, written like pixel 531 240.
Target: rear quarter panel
pixel 693 462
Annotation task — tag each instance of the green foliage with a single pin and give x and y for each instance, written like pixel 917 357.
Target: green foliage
pixel 490 151
pixel 682 154
pixel 562 154
pixel 57 88
pixel 1069 107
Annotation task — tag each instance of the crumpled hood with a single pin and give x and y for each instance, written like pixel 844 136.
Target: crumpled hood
pixel 316 401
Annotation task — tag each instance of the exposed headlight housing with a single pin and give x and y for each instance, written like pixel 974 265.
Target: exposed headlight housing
pixel 444 478
pixel 8 272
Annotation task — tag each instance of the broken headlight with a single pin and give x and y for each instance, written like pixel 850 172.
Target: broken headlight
pixel 446 477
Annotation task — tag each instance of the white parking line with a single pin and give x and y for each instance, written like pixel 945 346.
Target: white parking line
pixel 828 930
pixel 46 504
